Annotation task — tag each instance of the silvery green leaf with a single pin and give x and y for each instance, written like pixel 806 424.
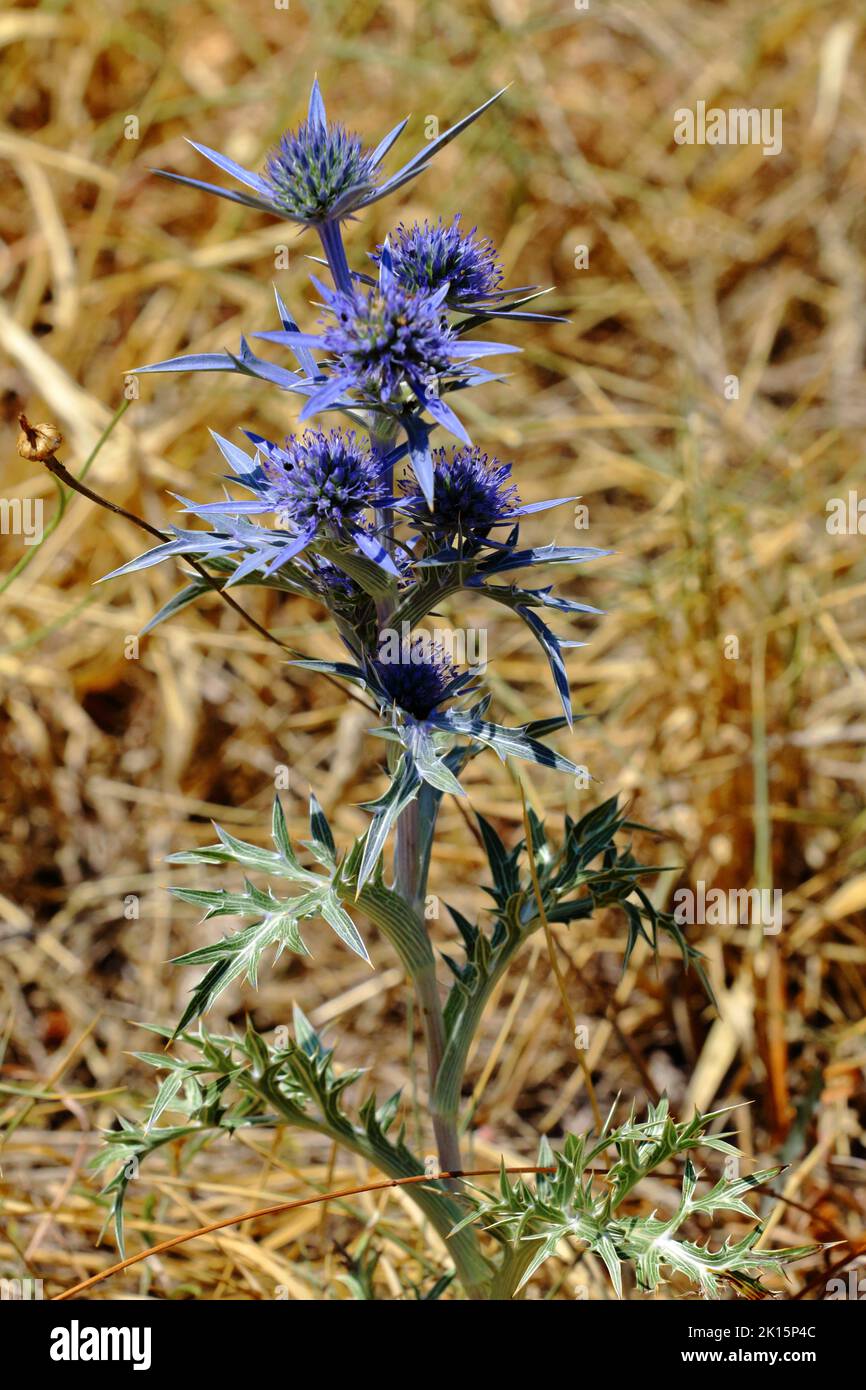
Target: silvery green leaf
pixel 182 599
pixel 582 1203
pixel 434 770
pixel 367 573
pixel 551 646
pixel 164 1096
pixel 231 850
pixel 337 917
pixel 385 811
pixel 606 1251
pixel 306 1037
pixel 283 843
pixel 238 956
pixel 506 742
pixel 323 841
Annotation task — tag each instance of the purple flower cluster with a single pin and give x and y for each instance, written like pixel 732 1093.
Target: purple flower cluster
pixel 315 168
pixel 428 256
pixel 320 173
pixel 471 494
pixel 389 336
pixel 420 679
pixel 390 354
pixel 323 482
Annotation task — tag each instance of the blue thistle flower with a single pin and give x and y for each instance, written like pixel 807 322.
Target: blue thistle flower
pixel 329 582
pixel 388 336
pixel 315 168
pixel 320 173
pixel 389 344
pixel 421 677
pixel 471 494
pixel 323 482
pixel 427 256
pixel 385 339
pixel 321 487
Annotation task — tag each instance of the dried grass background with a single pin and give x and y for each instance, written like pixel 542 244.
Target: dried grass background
pixel 703 262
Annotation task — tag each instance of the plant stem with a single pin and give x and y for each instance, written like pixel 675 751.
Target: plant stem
pixel 444 1124
pixel 473 1270
pixel 332 243
pixel 554 960
pixel 383 432
pixel 407 859
pixel 410 880
pixel 411 885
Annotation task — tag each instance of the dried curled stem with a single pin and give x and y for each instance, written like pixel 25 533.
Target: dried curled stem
pixel 39 443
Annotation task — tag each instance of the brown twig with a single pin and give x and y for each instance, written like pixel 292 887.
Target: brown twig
pixel 275 1210
pixel 38 444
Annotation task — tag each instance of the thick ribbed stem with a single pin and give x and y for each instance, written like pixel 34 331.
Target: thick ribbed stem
pixel 473 1271
pixel 410 884
pixel 444 1125
pixel 410 878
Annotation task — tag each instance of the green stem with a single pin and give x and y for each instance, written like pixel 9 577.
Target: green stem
pixel 463 1028
pixel 416 606
pixel 383 433
pixel 513 1265
pixel 444 1120
pixel 407 859
pixel 411 865
pixel 410 884
pixel 443 1213
pixel 410 878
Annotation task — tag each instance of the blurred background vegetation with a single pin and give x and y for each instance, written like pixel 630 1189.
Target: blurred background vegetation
pixel 723 687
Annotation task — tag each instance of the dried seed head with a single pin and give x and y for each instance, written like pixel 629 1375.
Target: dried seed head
pixel 38 442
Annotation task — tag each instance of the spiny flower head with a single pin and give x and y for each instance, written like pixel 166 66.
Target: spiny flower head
pixel 324 480
pixel 418 676
pixel 427 256
pixel 314 168
pixel 394 348
pixel 321 487
pixel 387 336
pixel 321 174
pixel 471 494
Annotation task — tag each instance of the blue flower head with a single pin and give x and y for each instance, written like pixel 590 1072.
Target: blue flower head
pixel 320 173
pixel 329 582
pixel 387 336
pixel 419 679
pixel 323 482
pixel 316 168
pixel 396 350
pixel 323 487
pixel 472 493
pixel 427 256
